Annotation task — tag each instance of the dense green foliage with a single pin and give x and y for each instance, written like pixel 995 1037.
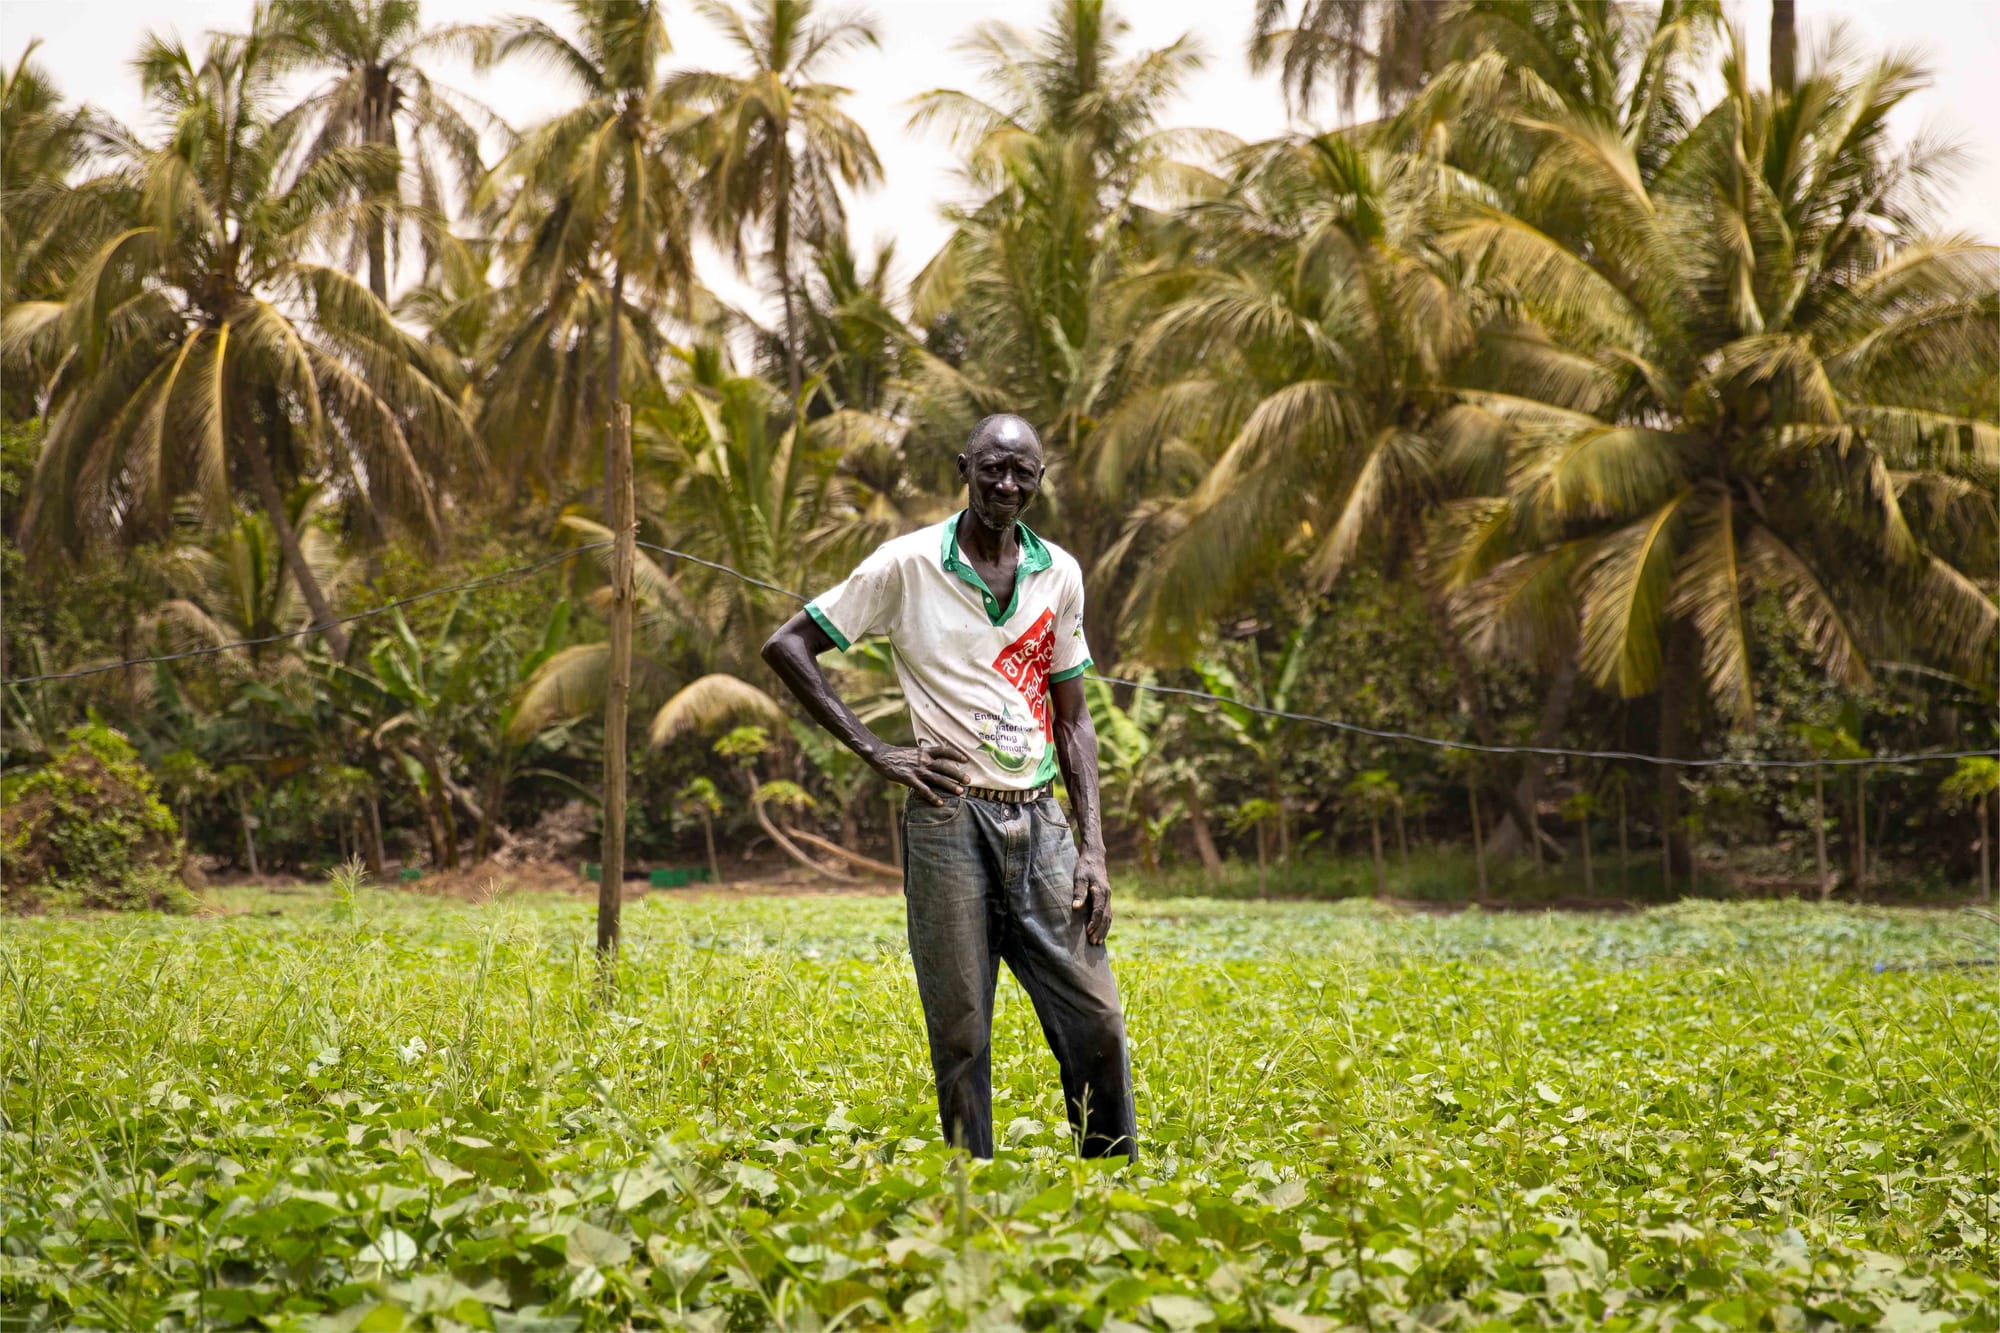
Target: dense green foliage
pixel 1592 395
pixel 87 829
pixel 413 1112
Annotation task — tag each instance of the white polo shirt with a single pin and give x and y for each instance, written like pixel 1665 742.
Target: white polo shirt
pixel 976 674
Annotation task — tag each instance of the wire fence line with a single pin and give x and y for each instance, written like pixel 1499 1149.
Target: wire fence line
pixel 1313 719
pixel 1553 751
pixel 733 573
pixel 1435 742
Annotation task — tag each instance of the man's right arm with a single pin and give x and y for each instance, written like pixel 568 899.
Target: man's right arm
pixel 934 772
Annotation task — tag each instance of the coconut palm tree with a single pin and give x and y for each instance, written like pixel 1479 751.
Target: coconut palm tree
pixel 1023 300
pixel 49 222
pixel 744 484
pixel 593 214
pixel 203 347
pixel 234 587
pixel 1390 43
pixel 42 141
pixel 1302 350
pixel 1630 68
pixel 1784 47
pixel 1740 372
pixel 848 330
pixel 775 141
pixel 1306 352
pixel 379 93
pixel 733 477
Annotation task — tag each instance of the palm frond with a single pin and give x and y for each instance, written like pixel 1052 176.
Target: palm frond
pixel 1781 568
pixel 1624 588
pixel 569 685
pixel 707 703
pixel 1709 590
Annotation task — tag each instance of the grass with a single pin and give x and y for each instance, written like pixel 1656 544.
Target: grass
pixel 1448 875
pixel 383 1111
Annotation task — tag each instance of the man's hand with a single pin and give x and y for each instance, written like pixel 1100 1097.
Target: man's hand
pixel 1093 887
pixel 934 772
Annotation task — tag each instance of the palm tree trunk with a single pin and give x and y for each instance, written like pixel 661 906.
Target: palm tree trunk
pixel 1784 47
pixel 1624 852
pixel 1985 853
pixel 1860 834
pixel 1819 833
pixel 1666 851
pixel 378 261
pixel 1478 843
pixel 1260 858
pixel 1204 837
pixel 288 542
pixel 781 256
pixel 1402 840
pixel 1284 819
pixel 1465 681
pixel 375 115
pixel 1149 852
pixel 1464 678
pixel 1381 871
pixel 446 821
pixel 249 834
pixel 1521 822
pixel 708 836
pixel 1589 875
pixel 1676 859
pixel 426 808
pixel 489 811
pixel 378 857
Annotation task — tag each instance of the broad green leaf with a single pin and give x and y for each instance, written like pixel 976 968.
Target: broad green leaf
pixel 1180 1312
pixel 590 1245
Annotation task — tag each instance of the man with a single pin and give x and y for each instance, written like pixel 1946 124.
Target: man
pixel 986 620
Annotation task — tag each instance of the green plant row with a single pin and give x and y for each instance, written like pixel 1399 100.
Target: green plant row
pixel 398 1113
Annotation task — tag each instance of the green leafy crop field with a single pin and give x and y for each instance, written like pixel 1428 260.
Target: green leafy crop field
pixel 393 1112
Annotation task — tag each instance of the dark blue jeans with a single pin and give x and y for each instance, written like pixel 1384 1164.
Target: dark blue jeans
pixel 987 882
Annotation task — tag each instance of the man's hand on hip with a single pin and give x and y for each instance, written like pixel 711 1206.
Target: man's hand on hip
pixel 1093 892
pixel 934 772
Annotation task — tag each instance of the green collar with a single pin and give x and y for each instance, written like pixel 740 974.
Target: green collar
pixel 1034 559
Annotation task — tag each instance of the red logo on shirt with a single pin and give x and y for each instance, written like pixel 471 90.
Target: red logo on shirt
pixel 1025 663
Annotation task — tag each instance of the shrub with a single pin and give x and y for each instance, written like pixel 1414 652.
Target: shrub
pixel 87 829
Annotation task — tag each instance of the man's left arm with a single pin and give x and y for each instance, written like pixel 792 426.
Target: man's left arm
pixel 1076 752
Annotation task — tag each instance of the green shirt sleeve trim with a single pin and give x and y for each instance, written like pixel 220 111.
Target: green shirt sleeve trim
pixel 819 618
pixel 1071 674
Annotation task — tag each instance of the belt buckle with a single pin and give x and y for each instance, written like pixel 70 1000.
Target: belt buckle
pixel 1001 796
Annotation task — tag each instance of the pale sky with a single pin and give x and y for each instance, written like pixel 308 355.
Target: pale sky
pixel 87 44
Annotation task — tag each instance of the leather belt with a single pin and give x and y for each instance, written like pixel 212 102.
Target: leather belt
pixel 1006 797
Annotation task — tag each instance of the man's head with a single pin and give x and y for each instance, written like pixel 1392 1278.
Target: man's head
pixel 1002 470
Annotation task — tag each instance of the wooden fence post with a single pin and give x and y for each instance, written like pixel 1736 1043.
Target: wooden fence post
pixel 611 884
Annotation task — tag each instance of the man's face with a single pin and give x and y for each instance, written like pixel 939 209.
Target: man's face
pixel 1002 471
